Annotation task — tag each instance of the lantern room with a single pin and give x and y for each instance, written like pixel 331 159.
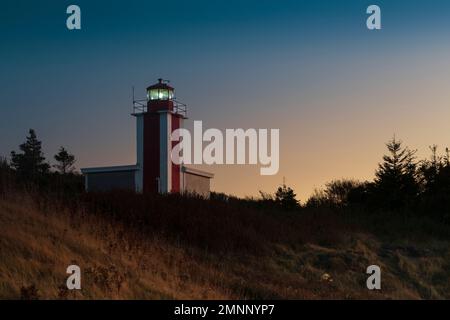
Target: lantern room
pixel 160 96
pixel 160 91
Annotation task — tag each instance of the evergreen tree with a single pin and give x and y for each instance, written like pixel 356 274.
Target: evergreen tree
pixel 447 157
pixel 396 178
pixel 65 161
pixel 435 173
pixel 4 175
pixel 4 165
pixel 430 170
pixel 30 163
pixel 285 197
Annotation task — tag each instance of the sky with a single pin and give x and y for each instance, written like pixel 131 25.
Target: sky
pixel 336 90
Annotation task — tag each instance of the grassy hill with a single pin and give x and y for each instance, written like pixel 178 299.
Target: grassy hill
pixel 169 247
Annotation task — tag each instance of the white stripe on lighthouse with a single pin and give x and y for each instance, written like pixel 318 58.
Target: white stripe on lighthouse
pixel 139 175
pixel 182 185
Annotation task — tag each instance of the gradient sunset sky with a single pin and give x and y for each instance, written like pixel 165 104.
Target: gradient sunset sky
pixel 336 90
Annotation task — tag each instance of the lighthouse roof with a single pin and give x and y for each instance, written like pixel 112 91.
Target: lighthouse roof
pixel 160 85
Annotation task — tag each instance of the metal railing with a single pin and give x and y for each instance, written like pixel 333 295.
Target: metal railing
pixel 140 106
pixel 180 108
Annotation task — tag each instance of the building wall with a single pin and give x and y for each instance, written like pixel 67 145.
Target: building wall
pixel 196 184
pixel 107 181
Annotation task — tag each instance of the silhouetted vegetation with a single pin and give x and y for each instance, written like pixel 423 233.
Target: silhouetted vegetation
pixel 337 193
pixel 30 162
pixel 28 170
pixel 396 183
pixel 434 178
pixel 403 186
pixel 134 246
pixel 177 244
pixel 285 197
pixel 65 161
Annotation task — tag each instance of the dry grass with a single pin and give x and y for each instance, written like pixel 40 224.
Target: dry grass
pixel 173 248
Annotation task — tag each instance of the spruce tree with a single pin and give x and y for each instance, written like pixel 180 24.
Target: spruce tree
pixel 396 177
pixel 285 197
pixel 30 163
pixel 65 161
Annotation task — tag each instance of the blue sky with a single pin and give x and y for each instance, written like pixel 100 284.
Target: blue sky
pixel 310 68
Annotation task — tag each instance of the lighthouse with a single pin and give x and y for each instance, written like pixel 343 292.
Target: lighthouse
pixel 157 117
pixel 154 125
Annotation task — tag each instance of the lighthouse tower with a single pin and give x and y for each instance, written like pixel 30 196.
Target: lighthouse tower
pixel 155 122
pixel 154 172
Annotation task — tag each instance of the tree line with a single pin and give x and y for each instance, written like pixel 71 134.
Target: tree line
pixel 29 167
pixel 402 183
pixel 403 186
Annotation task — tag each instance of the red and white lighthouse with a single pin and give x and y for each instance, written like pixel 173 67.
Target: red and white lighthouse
pixel 154 124
pixel 154 172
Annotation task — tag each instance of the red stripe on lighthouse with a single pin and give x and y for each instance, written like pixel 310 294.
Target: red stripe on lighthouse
pixel 176 124
pixel 151 152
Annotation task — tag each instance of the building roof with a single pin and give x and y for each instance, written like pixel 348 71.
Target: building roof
pixel 160 85
pixel 110 169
